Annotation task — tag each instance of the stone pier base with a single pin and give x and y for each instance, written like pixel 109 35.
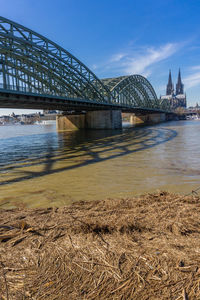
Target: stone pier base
pixel 171 117
pixel 157 118
pixel 101 119
pixel 148 118
pixel 138 119
pixel 104 119
pixel 70 122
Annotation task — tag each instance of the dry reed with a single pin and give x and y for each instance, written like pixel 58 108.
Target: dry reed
pixel 140 248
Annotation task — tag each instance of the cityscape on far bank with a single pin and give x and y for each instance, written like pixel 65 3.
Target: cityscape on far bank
pixel 46 118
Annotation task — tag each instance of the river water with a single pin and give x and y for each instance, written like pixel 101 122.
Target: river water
pixel 40 167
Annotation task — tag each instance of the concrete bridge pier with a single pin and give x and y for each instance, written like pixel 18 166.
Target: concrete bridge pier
pixel 70 122
pixel 151 118
pixel 104 119
pixel 100 119
pixel 136 119
pixel 157 117
pixel 171 117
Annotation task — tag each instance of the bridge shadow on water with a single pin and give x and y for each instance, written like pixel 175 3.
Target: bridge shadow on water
pixel 82 148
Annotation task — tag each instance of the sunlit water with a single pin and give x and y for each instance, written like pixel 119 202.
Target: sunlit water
pixel 41 167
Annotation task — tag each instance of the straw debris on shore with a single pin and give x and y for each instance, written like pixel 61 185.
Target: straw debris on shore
pixel 140 248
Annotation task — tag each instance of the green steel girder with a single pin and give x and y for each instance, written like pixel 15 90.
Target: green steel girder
pixel 16 36
pixel 134 94
pixel 47 72
pixel 165 104
pixel 120 85
pixel 32 63
pixel 140 91
pixel 41 64
pixel 130 94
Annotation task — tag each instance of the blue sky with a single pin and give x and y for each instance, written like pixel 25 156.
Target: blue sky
pixel 120 37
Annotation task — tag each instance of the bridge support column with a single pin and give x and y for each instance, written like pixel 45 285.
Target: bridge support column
pixel 157 118
pixel 104 119
pixel 148 118
pixel 70 122
pixel 139 119
pixel 171 116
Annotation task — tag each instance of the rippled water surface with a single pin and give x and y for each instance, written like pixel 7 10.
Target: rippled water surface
pixel 41 167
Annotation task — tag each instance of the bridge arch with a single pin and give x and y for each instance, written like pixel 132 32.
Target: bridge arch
pixel 133 90
pixel 31 63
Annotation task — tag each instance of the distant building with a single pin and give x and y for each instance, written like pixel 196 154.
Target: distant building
pixel 194 108
pixel 176 97
pixel 49 112
pixel 6 119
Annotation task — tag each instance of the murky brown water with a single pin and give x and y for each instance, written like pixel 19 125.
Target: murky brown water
pixel 40 167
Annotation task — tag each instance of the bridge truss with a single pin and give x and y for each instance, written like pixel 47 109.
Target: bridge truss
pixel 31 64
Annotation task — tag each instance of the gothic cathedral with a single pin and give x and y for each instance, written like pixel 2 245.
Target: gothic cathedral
pixel 176 97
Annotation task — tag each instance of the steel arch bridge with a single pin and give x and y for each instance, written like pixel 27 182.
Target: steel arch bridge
pixel 37 73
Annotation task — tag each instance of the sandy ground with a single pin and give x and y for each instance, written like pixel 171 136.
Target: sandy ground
pixel 141 248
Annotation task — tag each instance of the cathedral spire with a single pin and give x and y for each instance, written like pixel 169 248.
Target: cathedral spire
pixel 170 86
pixel 179 85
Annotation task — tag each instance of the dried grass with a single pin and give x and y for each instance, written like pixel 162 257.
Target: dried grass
pixel 140 248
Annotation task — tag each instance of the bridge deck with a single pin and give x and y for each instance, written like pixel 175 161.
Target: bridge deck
pixel 25 100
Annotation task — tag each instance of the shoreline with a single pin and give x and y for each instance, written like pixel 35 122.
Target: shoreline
pixel 145 247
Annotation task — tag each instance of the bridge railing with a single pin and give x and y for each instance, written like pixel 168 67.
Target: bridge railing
pixel 24 89
pixel 10 87
pixel 31 90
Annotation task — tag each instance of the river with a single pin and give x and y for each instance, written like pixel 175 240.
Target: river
pixel 40 167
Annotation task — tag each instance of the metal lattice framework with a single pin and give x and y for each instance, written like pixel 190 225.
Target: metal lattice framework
pixel 134 90
pixel 31 63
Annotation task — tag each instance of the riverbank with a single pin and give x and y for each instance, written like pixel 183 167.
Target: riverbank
pixel 140 248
